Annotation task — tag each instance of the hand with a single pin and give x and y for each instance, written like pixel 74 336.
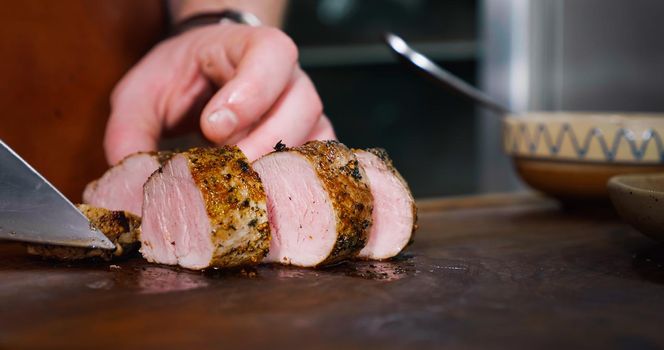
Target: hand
pixel 263 97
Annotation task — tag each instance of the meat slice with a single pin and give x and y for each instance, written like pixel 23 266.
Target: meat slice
pixel 394 211
pixel 319 203
pixel 121 186
pixel 205 208
pixel 120 227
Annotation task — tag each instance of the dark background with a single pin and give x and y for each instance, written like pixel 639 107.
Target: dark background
pixel 373 100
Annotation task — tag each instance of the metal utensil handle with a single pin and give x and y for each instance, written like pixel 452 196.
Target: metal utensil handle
pixel 442 76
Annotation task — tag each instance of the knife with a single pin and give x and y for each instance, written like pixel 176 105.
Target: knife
pixel 33 210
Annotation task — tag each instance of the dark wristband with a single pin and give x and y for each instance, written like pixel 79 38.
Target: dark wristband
pixel 208 18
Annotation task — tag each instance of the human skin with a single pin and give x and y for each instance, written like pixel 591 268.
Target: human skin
pixel 247 79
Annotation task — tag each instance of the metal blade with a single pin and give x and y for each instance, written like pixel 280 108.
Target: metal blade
pixel 32 210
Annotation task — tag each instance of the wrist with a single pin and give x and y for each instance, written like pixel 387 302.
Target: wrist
pixel 215 17
pixel 270 12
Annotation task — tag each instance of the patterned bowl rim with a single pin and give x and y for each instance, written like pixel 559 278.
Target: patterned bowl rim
pixel 650 128
pixel 601 118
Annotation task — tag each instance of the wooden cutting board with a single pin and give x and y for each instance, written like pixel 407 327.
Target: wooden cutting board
pixel 484 272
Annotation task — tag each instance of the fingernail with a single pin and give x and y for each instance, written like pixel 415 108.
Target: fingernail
pixel 223 121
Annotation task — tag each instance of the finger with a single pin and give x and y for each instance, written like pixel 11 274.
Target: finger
pixel 133 124
pixel 148 100
pixel 263 70
pixel 128 133
pixel 290 120
pixel 322 131
pixel 237 137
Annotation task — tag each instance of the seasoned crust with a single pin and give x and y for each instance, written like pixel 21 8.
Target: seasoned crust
pixel 346 183
pixel 121 227
pixel 235 203
pixel 162 156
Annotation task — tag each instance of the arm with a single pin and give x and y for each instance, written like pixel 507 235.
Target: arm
pixel 270 12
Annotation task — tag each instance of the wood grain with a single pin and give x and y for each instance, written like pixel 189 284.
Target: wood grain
pixel 510 275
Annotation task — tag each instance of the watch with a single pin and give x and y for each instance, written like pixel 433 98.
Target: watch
pixel 207 18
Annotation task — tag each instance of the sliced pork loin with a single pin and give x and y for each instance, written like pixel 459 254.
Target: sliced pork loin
pixel 205 208
pixel 319 203
pixel 394 211
pixel 120 227
pixel 121 187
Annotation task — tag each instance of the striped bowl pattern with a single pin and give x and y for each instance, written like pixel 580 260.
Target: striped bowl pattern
pixel 586 137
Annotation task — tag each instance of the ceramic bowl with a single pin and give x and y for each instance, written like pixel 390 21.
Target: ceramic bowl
pixel 572 155
pixel 639 199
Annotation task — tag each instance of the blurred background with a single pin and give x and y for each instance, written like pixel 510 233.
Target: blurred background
pixel 373 100
pixel 591 55
pixel 61 59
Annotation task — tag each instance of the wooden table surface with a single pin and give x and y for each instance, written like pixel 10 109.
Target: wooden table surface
pixel 484 272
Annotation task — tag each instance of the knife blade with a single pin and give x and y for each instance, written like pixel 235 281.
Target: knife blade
pixel 33 210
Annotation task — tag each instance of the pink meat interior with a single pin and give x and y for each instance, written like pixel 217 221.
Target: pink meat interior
pixel 392 212
pixel 175 226
pixel 121 187
pixel 302 221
